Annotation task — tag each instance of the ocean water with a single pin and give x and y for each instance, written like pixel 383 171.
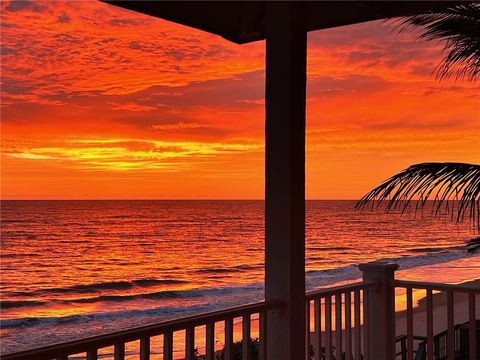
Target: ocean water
pixel 72 269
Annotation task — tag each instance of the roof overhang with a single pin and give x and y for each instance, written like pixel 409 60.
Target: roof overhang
pixel 244 21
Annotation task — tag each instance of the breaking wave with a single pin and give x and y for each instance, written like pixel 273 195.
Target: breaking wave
pixel 209 298
pixel 98 287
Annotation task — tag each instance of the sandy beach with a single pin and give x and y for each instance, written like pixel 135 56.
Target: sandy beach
pixel 439 311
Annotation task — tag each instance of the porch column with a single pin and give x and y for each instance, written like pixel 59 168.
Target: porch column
pixel 286 47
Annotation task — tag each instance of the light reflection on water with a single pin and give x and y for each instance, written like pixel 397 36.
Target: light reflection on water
pixel 115 264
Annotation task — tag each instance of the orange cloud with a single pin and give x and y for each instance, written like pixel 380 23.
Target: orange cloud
pixel 84 46
pixel 93 93
pixel 129 154
pixel 132 107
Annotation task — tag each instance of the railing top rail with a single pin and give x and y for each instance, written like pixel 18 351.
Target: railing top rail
pixel 436 286
pixel 414 337
pixel 101 341
pixel 311 295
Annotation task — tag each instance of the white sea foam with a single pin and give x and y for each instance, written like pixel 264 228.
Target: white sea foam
pixel 130 263
pixel 224 297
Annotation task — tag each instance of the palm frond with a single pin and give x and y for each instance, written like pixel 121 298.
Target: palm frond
pixel 459 27
pixel 452 186
pixel 473 246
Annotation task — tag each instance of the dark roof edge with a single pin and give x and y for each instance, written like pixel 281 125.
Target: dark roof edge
pixel 244 21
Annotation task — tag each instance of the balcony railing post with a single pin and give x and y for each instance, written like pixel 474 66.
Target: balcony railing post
pixel 381 309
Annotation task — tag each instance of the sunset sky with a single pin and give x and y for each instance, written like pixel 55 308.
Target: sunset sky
pixel 103 103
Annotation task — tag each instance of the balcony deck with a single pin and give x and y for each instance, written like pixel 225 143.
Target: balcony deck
pixel 350 305
pixel 367 321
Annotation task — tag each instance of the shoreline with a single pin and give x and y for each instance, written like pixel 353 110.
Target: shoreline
pixel 461 313
pixel 439 300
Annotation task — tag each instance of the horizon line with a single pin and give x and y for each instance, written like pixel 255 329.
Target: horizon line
pixel 167 199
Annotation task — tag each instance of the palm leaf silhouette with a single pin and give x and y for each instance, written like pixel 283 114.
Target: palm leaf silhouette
pixel 473 246
pixel 454 187
pixel 459 27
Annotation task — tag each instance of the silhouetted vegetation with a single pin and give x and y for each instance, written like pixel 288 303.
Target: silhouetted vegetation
pixel 255 354
pixel 455 187
pixel 237 351
pixel 473 246
pixel 459 28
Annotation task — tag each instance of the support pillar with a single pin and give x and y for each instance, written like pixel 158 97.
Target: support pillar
pixel 286 47
pixel 381 309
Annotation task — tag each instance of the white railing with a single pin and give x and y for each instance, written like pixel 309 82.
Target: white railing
pixel 330 307
pixel 337 327
pixel 445 342
pixel 204 325
pixel 357 321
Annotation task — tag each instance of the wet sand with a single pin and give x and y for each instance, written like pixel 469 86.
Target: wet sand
pixel 439 312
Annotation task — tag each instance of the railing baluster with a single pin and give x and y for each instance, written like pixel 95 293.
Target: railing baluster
pixel 246 335
pixel 139 340
pixel 429 325
pixel 317 314
pixel 168 346
pixel 228 349
pixel 145 348
pixel 409 323
pixel 210 341
pixel 338 326
pixel 350 338
pixel 119 351
pixel 262 334
pixel 348 325
pixel 328 328
pixel 307 330
pixel 358 325
pixel 451 330
pixel 472 327
pixel 403 348
pixel 366 330
pixel 189 343
pixel 92 354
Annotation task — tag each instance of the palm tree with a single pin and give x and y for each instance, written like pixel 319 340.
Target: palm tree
pixel 459 28
pixel 454 187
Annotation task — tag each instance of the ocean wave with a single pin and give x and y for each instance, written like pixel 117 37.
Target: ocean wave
pixel 121 298
pixel 98 287
pixel 8 304
pixel 14 256
pixel 176 294
pixel 318 278
pixel 7 221
pixel 215 298
pixel 155 312
pixel 218 298
pixel 319 248
pixel 238 268
pixel 195 293
pixel 433 249
pixel 215 271
pixel 248 267
pixel 445 255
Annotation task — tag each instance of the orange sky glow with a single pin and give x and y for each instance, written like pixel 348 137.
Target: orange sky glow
pixel 99 102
